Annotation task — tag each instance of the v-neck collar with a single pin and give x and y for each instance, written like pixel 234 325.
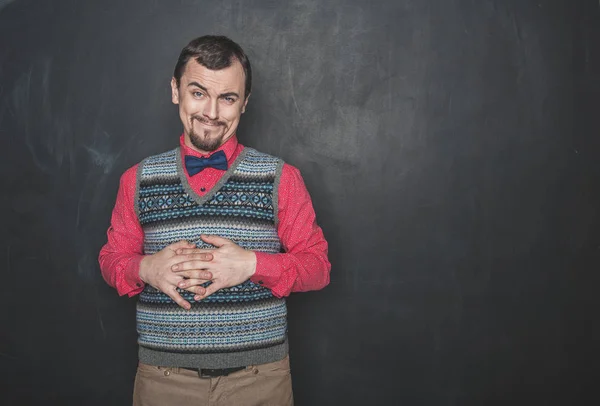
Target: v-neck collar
pixel 210 194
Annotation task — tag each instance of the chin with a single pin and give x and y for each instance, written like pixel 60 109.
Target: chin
pixel 205 143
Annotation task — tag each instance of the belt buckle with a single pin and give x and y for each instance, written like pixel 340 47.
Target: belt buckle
pixel 213 373
pixel 206 373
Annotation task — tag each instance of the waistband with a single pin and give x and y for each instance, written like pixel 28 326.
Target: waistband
pixel 214 361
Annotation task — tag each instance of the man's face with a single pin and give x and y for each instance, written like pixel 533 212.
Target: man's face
pixel 211 103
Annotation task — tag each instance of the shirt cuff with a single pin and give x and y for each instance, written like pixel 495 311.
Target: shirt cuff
pixel 131 276
pixel 267 270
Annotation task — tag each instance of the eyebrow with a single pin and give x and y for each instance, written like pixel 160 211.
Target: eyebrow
pixel 198 85
pixel 222 96
pixel 229 94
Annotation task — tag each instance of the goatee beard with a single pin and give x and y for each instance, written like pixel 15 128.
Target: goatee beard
pixel 205 143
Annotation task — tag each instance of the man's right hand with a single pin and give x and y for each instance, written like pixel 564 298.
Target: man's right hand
pixel 156 271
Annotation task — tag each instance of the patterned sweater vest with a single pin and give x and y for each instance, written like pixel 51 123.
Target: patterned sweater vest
pixel 241 207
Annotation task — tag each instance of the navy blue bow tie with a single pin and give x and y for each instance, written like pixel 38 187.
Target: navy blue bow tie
pixel 194 165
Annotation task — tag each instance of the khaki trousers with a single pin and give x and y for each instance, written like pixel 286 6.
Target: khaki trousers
pixel 257 385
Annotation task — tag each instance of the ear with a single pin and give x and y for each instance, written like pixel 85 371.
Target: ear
pixel 174 91
pixel 245 103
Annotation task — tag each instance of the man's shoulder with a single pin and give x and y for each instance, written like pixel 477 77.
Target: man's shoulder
pixel 287 173
pixel 132 172
pixel 129 176
pixel 252 153
pixel 172 153
pixel 286 166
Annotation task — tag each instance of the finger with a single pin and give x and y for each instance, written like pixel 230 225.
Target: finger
pixel 187 251
pixel 191 284
pixel 181 244
pixel 198 255
pixel 212 288
pixel 215 240
pixel 171 291
pixel 190 266
pixel 198 290
pixel 203 276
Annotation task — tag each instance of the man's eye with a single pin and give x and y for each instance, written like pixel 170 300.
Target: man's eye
pixel 229 99
pixel 198 94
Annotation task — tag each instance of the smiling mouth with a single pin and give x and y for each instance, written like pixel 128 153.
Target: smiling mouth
pixel 207 123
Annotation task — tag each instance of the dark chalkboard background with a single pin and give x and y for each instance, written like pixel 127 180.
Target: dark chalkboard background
pixel 451 148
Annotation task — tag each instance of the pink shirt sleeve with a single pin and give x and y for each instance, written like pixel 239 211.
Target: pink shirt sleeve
pixel 304 265
pixel 121 255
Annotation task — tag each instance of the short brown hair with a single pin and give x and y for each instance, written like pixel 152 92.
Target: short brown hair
pixel 214 52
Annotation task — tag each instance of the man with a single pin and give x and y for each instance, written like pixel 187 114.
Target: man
pixel 213 236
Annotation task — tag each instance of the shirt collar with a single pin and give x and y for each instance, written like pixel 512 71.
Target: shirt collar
pixel 228 148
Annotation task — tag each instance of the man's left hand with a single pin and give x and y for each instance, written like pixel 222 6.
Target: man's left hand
pixel 230 266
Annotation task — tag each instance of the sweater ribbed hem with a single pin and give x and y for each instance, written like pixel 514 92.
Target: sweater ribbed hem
pixel 223 360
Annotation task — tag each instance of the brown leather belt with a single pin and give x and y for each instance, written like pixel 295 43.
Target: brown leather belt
pixel 213 373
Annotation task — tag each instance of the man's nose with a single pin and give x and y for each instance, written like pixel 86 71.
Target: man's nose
pixel 211 109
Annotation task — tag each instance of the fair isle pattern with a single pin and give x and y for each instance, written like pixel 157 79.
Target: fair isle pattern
pixel 241 207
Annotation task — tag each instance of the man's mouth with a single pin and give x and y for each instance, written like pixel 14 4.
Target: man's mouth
pixel 208 123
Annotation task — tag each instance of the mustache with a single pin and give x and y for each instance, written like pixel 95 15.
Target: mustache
pixel 204 120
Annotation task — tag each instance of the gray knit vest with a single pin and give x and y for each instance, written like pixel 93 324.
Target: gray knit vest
pixel 237 326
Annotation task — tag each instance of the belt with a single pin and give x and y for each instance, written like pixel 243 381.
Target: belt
pixel 213 373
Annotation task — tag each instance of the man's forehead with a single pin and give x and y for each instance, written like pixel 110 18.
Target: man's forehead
pixel 231 76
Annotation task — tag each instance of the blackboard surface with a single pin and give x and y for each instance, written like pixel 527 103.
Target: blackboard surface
pixel 450 147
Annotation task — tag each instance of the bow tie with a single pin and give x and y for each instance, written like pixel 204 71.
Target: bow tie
pixel 194 165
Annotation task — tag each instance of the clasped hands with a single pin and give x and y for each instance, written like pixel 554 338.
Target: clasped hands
pixel 183 265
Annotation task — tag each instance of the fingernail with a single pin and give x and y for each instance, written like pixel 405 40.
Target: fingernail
pixel 175 267
pixel 181 284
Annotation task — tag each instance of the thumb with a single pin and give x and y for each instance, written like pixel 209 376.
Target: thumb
pixel 214 240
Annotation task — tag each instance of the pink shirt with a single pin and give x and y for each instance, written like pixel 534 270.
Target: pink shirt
pixel 304 265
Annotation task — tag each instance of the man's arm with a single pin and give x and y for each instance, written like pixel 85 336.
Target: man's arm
pixel 304 266
pixel 121 256
pixel 123 263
